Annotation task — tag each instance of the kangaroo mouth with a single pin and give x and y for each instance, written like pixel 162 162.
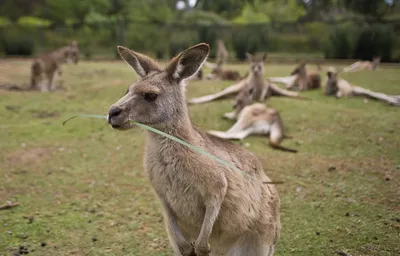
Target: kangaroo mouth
pixel 122 127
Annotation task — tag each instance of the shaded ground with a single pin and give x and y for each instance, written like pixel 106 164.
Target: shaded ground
pixel 82 189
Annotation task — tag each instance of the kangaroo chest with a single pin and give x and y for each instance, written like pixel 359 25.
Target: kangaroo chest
pixel 174 183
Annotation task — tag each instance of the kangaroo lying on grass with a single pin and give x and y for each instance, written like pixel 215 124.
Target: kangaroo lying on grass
pixel 221 56
pixel 364 65
pixel 218 71
pixel 262 89
pixel 224 211
pixel 47 67
pixel 300 79
pixel 338 87
pixel 257 119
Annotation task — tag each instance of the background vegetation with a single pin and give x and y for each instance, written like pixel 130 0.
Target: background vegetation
pixel 162 28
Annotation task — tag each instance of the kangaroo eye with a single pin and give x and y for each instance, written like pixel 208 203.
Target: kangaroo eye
pixel 150 96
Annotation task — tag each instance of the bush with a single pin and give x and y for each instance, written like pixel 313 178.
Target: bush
pixel 250 39
pixel 21 45
pixel 376 40
pixel 361 42
pixel 289 43
pixel 340 43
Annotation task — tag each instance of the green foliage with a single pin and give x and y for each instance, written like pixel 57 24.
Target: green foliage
pixel 266 11
pixel 33 22
pixel 4 22
pixel 370 8
pixel 290 43
pixel 20 44
pixel 375 40
pixel 341 42
pixel 251 14
pixel 361 42
pixel 250 39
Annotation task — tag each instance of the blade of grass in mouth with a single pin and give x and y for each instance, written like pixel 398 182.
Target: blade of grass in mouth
pixel 184 143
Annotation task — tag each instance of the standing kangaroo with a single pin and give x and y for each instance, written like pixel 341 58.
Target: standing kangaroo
pixel 208 208
pixel 47 66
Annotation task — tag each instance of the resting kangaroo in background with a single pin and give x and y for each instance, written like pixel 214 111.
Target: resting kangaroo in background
pixel 305 80
pixel 254 79
pixel 257 119
pixel 209 209
pixel 221 56
pixel 338 87
pixel 364 65
pixel 47 66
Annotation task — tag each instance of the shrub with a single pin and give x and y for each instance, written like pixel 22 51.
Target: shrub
pixel 21 44
pixel 361 42
pixel 340 43
pixel 250 39
pixel 375 40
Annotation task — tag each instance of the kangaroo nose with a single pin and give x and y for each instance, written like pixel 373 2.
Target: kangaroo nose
pixel 114 111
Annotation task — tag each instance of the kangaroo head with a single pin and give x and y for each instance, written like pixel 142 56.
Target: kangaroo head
pixel 73 54
pixel 157 98
pixel 256 65
pixel 300 69
pixel 243 99
pixel 331 84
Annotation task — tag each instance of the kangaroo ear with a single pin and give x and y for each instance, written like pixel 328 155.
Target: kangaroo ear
pixel 188 62
pixel 265 56
pixel 139 62
pixel 249 56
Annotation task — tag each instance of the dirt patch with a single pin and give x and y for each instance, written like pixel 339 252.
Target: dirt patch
pixel 29 155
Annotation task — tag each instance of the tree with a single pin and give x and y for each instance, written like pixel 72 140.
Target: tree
pixel 371 9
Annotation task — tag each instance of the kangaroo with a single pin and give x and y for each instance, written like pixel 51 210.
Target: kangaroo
pixel 218 72
pixel 48 65
pixel 364 65
pixel 221 56
pixel 208 208
pixel 305 80
pixel 257 119
pixel 243 99
pixel 253 79
pixel 338 87
pixel 222 74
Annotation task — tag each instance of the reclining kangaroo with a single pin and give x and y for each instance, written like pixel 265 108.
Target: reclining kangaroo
pixel 300 79
pixel 209 209
pixel 254 119
pixel 262 89
pixel 218 72
pixel 257 119
pixel 364 65
pixel 48 65
pixel 338 87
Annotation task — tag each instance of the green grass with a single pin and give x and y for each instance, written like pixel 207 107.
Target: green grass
pixel 86 180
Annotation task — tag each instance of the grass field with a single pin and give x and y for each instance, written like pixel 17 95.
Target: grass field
pixel 82 188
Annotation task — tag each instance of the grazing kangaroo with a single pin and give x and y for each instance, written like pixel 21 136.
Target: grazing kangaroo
pixel 257 119
pixel 47 66
pixel 254 79
pixel 364 65
pixel 209 209
pixel 338 87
